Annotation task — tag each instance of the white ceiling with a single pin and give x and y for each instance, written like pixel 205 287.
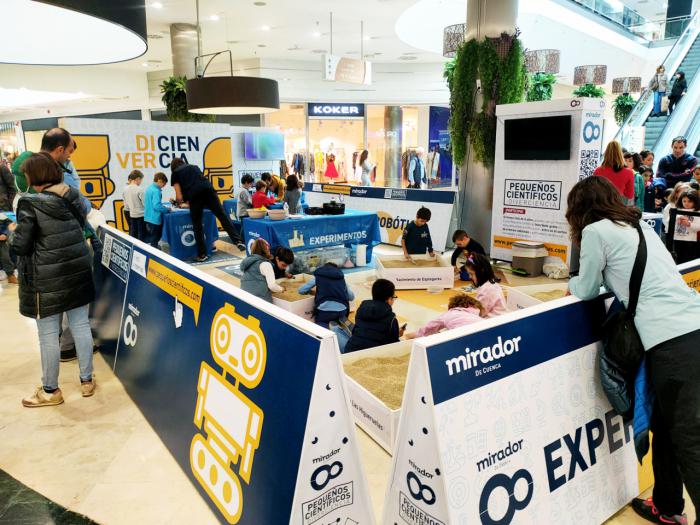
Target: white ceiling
pixel 291 35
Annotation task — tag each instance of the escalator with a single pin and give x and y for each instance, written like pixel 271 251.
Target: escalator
pixel 655 125
pixel 658 131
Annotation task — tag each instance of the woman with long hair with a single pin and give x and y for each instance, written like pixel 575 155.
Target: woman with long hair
pixel 668 321
pixel 614 169
pixel 366 168
pixel 659 85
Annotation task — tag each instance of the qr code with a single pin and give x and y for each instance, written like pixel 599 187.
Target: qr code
pixel 589 161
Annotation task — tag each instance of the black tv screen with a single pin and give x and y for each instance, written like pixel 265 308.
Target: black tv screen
pixel 542 138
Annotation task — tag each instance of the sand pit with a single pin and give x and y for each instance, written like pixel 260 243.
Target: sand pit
pixel 402 263
pixel 549 296
pixel 291 290
pixel 385 377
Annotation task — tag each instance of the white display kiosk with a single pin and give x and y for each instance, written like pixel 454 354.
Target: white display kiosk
pixel 529 197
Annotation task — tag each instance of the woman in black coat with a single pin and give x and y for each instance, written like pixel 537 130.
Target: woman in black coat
pixel 677 91
pixel 55 272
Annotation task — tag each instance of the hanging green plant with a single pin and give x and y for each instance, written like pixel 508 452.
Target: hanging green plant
pixel 175 100
pixel 499 64
pixel 623 105
pixel 448 72
pixel 589 91
pixel 540 87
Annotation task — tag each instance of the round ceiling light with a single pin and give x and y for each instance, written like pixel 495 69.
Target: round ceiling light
pixel 89 31
pixel 232 95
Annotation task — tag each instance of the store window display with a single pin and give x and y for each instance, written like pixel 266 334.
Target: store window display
pixel 333 143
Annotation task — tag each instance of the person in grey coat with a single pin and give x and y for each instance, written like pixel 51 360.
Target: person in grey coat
pixel 258 274
pixel 659 85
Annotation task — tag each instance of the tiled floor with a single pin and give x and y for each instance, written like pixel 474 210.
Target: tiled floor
pixel 98 456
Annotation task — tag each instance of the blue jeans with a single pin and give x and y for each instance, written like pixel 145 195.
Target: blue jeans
pixel 49 328
pixel 658 96
pixel 153 233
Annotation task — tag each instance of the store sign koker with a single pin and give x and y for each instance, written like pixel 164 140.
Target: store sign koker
pixel 336 110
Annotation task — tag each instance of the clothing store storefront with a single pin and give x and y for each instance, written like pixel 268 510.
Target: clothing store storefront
pixel 324 141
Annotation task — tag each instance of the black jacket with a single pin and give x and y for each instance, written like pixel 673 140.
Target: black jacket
pixel 679 86
pixel 330 286
pixel 54 266
pixel 7 188
pixel 375 325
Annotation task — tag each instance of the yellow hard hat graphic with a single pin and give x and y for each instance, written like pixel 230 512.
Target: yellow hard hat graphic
pixel 91 159
pixel 218 166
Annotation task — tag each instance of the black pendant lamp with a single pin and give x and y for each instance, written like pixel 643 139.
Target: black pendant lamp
pixel 73 32
pixel 230 95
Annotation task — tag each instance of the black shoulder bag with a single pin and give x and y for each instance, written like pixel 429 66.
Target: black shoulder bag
pixel 623 351
pixel 621 341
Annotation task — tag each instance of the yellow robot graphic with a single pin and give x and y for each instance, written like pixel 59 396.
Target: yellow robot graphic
pixel 232 422
pixel 119 221
pixel 218 166
pixel 91 159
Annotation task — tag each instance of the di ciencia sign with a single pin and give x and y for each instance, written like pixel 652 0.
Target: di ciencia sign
pixel 334 110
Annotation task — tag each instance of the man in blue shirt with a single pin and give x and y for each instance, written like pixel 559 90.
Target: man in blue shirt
pixel 677 166
pixel 416 170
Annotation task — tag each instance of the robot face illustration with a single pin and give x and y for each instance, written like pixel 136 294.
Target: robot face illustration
pixel 91 159
pixel 218 166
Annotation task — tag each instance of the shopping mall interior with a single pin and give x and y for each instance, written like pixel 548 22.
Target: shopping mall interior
pixel 360 301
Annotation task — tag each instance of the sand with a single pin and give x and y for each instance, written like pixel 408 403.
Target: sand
pixel 402 263
pixel 291 290
pixel 385 377
pixel 549 296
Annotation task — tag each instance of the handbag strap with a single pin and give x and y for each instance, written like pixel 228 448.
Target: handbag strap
pixel 76 214
pixel 640 262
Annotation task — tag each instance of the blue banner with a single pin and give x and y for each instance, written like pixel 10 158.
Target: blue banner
pixel 439 142
pixel 215 379
pixel 473 361
pixel 316 231
pixel 179 234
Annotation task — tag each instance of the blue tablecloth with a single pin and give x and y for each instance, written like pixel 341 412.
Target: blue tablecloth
pixel 178 233
pixel 655 220
pixel 316 231
pixel 231 207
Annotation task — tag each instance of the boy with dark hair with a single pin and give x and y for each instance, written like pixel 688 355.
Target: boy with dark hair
pixel 133 201
pixel 245 199
pixel 375 321
pixel 281 260
pixel 416 237
pixel 154 209
pixel 464 245
pixel 333 295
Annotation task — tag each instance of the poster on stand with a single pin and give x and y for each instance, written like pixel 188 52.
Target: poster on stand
pixel 265 435
pixel 395 207
pixel 108 150
pixel 507 423
pixel 529 196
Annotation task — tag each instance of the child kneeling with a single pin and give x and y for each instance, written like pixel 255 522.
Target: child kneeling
pixel 462 310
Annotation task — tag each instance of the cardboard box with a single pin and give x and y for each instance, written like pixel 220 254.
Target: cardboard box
pixel 523 296
pixel 371 413
pixel 303 307
pixel 413 277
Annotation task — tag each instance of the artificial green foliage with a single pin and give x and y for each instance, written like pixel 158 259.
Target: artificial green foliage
pixel 540 87
pixel 589 91
pixel 175 100
pixel 503 81
pixel 462 97
pixel 623 105
pixel 448 72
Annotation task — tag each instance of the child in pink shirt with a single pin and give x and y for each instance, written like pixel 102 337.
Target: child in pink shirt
pixel 462 310
pixel 488 291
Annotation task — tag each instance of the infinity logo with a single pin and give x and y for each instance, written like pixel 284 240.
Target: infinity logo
pixel 575 103
pixel 503 481
pixel 421 492
pixel 591 132
pixel 130 331
pixel 187 238
pixel 330 475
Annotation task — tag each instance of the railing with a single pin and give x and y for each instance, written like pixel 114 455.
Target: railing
pixel 673 60
pixel 630 20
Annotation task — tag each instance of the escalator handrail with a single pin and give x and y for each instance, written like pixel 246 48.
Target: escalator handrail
pixel 640 108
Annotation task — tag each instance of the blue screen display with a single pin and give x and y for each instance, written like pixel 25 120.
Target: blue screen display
pixel 264 146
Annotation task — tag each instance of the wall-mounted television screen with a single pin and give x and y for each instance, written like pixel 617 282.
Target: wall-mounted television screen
pixel 541 138
pixel 264 146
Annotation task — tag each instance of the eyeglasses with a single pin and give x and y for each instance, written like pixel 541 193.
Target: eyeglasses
pixel 394 296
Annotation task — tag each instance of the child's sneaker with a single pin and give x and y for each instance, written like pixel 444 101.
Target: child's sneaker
pixel 646 509
pixel 88 387
pixel 43 399
pixel 201 258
